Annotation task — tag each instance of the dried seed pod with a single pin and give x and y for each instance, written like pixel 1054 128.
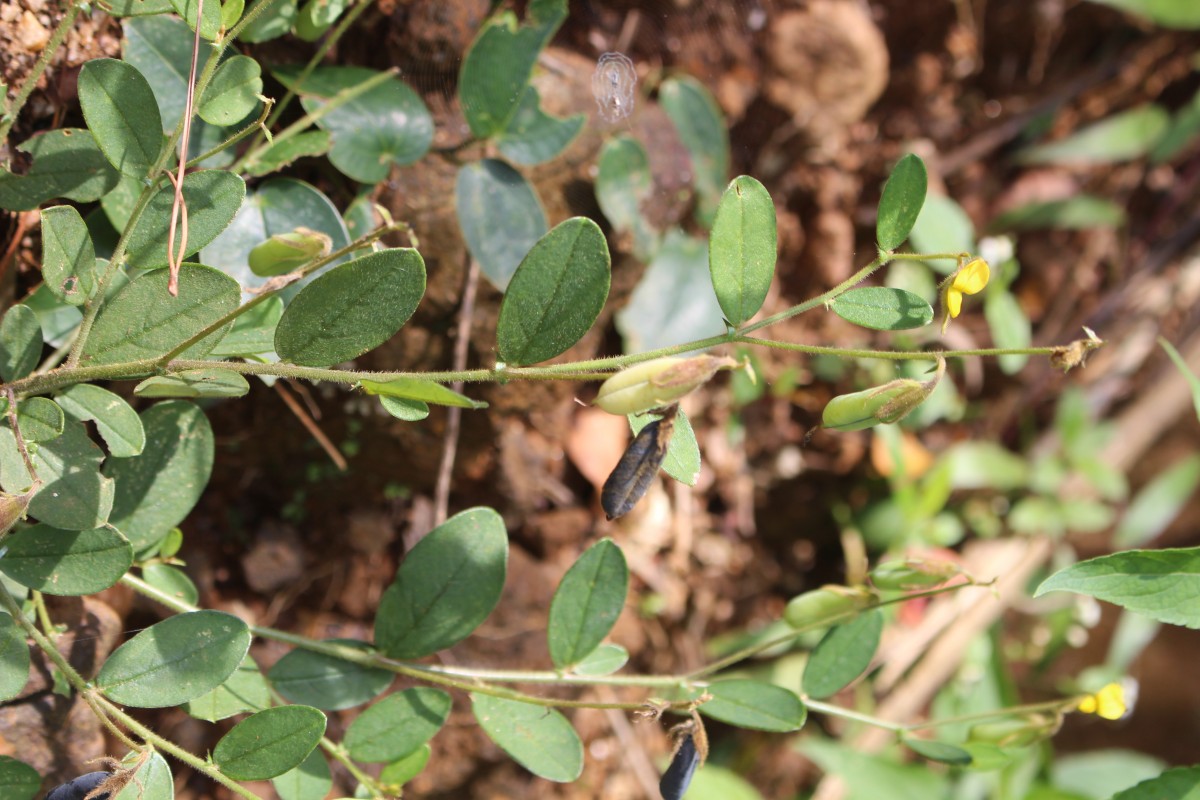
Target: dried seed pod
pixel 80 787
pixel 638 466
pixel 657 383
pixel 691 750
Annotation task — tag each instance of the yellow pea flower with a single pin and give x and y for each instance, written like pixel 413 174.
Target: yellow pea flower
pixel 1108 703
pixel 970 279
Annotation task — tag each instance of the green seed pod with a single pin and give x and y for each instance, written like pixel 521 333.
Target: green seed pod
pixel 814 608
pixel 1016 732
pixel 285 252
pixel 657 383
pixel 888 403
pixel 913 573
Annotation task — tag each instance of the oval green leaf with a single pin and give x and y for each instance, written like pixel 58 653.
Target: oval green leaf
pixel 1158 503
pixel 401 772
pixel 152 780
pixel 939 751
pixel 122 114
pixel 742 249
pixel 144 321
pixel 701 126
pixel 500 216
pixel 604 660
pixel 532 136
pixel 1161 584
pixel 407 410
pixel 210 16
pixel 68 257
pixel 269 743
pixel 587 603
pixel 213 197
pixel 901 202
pixel 842 655
pixel 233 92
pixel 446 586
pixel 755 705
pixel 538 738
pixel 194 383
pixel 118 424
pixel 172 582
pixel 20 342
pixel 352 309
pixel 156 490
pixel 398 724
pixel 1174 784
pixel 176 660
pixel 245 690
pixel 1118 137
pixel 66 562
pixel 40 419
pixel 556 293
pixel 311 780
pixel 420 390
pixel 74 495
pixel 14 665
pixel 882 308
pixel 624 186
pixel 66 163
pixel 18 780
pixel 326 682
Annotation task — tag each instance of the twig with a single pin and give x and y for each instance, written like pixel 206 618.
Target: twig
pixel 179 207
pixel 441 495
pixel 312 427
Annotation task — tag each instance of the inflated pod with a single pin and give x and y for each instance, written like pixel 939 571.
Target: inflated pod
pixel 913 573
pixel 657 383
pixel 826 605
pixel 885 404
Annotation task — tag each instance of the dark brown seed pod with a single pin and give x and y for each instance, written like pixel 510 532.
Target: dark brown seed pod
pixel 638 466
pixel 81 787
pixel 691 751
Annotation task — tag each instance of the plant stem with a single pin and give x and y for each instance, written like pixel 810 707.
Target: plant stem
pixel 1060 705
pixel 235 138
pixel 837 711
pixel 13 109
pixel 820 299
pixel 895 355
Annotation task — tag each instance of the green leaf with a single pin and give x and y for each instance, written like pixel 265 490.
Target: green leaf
pixel 1181 783
pixel 66 562
pixel 252 333
pixel 556 293
pixel 388 124
pixel 673 303
pixel 702 129
pixel 407 410
pixel 213 197
pixel 1080 212
pixel 1120 137
pixel 604 660
pixel 74 495
pixel 1157 583
pixel 176 660
pixel 755 705
pixel 118 424
pixel 326 682
pixel 842 655
pixel 875 776
pixel 1158 503
pixel 210 22
pixel 172 582
pixel 156 490
pixel 233 92
pixel 742 249
pixel 122 114
pixel 275 22
pixel 68 258
pixel 587 603
pixel 1010 327
pixel 1181 14
pixel 20 342
pixel 40 419
pixel 422 390
pixel 538 738
pixel 497 66
pixel 245 690
pixel 231 12
pixel 883 309
pixel 447 586
pixel 14 667
pixel 67 162
pixel 901 201
pixel 683 453
pixel 18 780
pixel 942 227
pixel 939 751
pixel 285 151
pixel 1100 774
pixel 500 216
pixel 1185 370
pixel 398 724
pixel 279 205
pixel 533 136
pixel 311 780
pixel 144 321
pixel 718 783
pixel 269 743
pixel 1181 135
pixel 318 16
pixel 402 771
pixel 194 383
pixel 624 188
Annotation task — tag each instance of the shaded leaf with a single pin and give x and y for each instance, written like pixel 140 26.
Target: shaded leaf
pixel 755 705
pixel 39 419
pixel 194 383
pixel 500 216
pixel 275 22
pixel 587 603
pixel 245 690
pixel 233 91
pixel 882 308
pixel 447 586
pixel 284 151
pixel 942 752
pixel 74 495
pixel 556 293
pixel 533 136
pixel 18 780
pixel 66 562
pixel 624 187
pixel 213 197
pixel 398 724
pixel 1181 783
pixel 20 342
pixel 122 114
pixel 1158 503
pixel 311 780
pixel 14 668
pixel 538 738
pixel 407 768
pixel 1079 212
pixel 901 202
pixel 176 660
pixel 742 249
pixel 117 422
pixel 1119 137
pixel 68 258
pixel 942 227
pixel 253 332
pixel 67 162
pixel 703 131
pixel 1185 370
pixel 269 743
pixel 327 682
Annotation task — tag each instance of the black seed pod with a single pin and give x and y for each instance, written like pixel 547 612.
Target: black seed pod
pixel 678 777
pixel 640 463
pixel 79 788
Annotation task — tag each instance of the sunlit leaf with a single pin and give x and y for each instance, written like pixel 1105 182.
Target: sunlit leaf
pixel 538 738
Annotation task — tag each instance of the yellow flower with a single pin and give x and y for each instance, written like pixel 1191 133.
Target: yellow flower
pixel 1108 703
pixel 970 279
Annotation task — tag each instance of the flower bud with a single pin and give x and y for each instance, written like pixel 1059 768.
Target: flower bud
pixel 913 573
pixel 827 604
pixel 888 403
pixel 657 383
